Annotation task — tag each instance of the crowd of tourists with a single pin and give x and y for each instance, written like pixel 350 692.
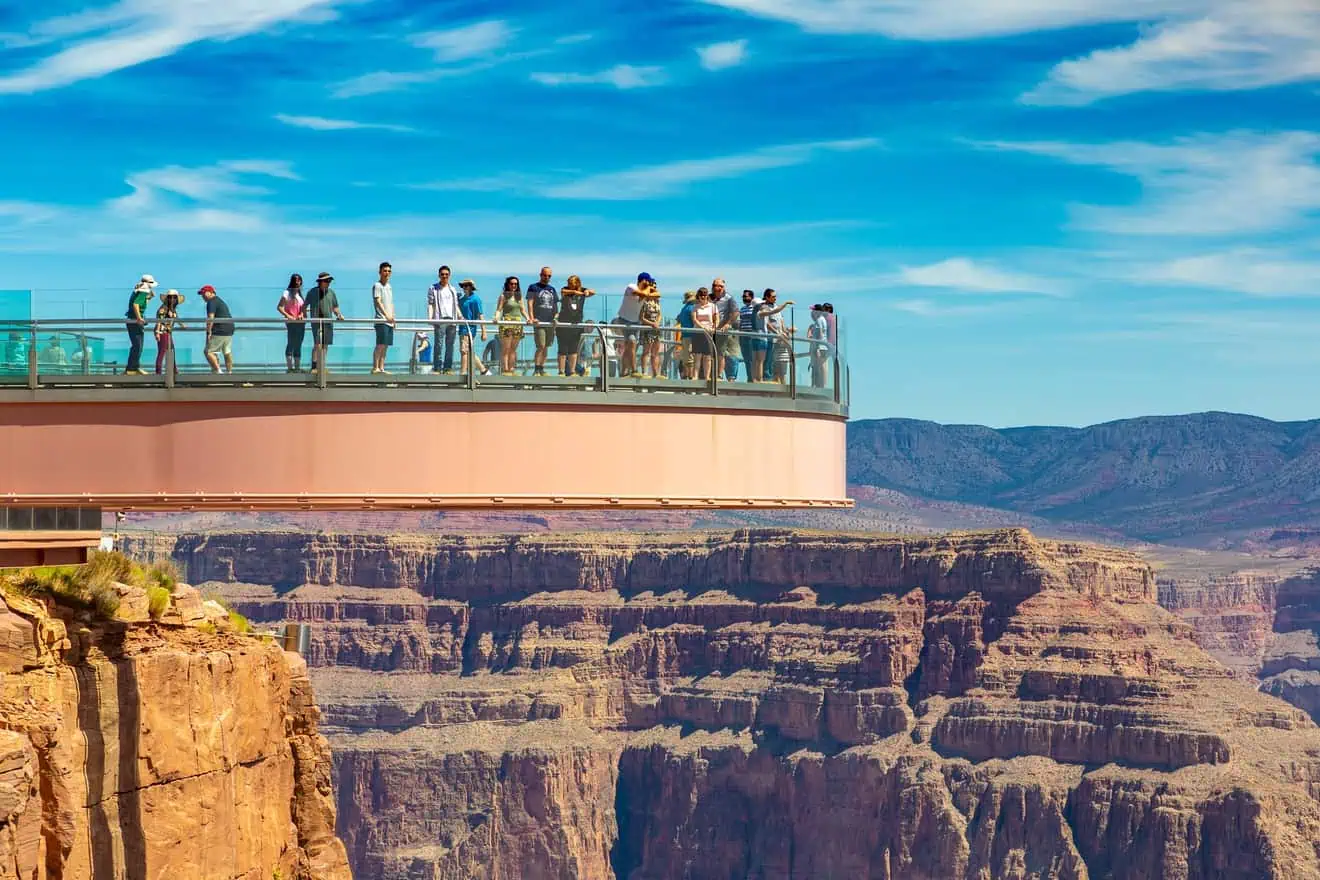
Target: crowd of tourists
pixel 710 335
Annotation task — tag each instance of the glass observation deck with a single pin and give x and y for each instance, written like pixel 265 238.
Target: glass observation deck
pixel 684 429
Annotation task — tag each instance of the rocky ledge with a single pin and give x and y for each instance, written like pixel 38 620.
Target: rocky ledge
pixel 775 704
pixel 133 749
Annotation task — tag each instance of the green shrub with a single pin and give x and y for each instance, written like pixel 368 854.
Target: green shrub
pixel 164 575
pixel 158 601
pixel 239 622
pixel 104 566
pixel 104 600
pixel 207 627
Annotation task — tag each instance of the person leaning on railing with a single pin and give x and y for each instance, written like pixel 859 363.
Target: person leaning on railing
pixel 322 303
pixel 569 328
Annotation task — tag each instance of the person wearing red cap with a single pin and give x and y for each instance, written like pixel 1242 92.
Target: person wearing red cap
pixel 219 331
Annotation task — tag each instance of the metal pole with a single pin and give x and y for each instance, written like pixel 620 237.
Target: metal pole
pixel 472 354
pixel 792 362
pixel 32 359
pixel 321 378
pixel 714 374
pixel 604 359
pixel 169 362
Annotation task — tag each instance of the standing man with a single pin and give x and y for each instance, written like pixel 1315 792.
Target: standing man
pixel 469 306
pixel 322 304
pixel 219 331
pixel 442 306
pixel 775 358
pixel 543 306
pixel 382 302
pixel 630 316
pixel 726 344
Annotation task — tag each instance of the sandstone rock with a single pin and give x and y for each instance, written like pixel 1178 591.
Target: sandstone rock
pixel 133 603
pixel 777 705
pixel 143 753
pixel 186 602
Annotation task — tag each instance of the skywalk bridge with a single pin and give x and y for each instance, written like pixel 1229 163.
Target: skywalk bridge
pixel 77 434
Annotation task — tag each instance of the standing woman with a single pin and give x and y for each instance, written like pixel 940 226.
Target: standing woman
pixel 137 322
pixel 293 308
pixel 568 333
pixel 167 318
pixel 650 317
pixel 511 315
pixel 705 316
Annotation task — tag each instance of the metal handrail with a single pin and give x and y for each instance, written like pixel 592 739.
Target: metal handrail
pixel 606 333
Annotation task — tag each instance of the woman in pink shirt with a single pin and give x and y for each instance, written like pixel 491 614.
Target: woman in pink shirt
pixel 705 316
pixel 293 308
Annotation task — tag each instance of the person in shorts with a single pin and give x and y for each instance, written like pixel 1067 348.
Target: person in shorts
pixel 219 331
pixel 469 309
pixel 705 316
pixel 542 311
pixel 650 335
pixel 322 305
pixel 382 303
pixel 568 328
pixel 726 344
pixel 629 317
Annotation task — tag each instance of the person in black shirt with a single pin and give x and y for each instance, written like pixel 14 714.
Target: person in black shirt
pixel 219 331
pixel 568 333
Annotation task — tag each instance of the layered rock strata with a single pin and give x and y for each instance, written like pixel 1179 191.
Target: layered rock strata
pixel 132 750
pixel 775 705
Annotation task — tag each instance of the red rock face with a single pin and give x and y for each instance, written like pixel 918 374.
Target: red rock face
pixel 774 705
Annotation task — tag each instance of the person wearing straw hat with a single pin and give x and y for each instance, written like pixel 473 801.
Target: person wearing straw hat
pixel 136 314
pixel 167 318
pixel 469 309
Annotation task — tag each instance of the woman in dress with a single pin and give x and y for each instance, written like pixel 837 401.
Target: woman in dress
pixel 568 330
pixel 650 335
pixel 512 317
pixel 293 308
pixel 705 316
pixel 167 318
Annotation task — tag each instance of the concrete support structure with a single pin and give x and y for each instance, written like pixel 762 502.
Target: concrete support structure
pixel 47 535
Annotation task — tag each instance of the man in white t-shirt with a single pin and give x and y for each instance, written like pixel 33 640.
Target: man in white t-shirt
pixel 382 303
pixel 630 316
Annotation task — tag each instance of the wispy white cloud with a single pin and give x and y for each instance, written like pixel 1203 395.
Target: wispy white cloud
pixel 962 274
pixel 928 308
pixel 1228 45
pixel 1236 183
pixel 23 213
pixel 132 32
pixel 1254 271
pixel 465 43
pixel 215 197
pixel 660 180
pixel 954 19
pixel 720 56
pixel 320 123
pixel 621 76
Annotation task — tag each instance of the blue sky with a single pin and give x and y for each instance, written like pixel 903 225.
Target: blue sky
pixel 1030 211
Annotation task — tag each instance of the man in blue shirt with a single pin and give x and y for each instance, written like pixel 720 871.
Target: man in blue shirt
pixel 543 306
pixel 469 308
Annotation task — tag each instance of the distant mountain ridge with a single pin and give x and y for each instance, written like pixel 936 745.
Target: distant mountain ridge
pixel 1155 478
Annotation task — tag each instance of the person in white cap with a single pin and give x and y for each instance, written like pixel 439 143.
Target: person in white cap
pixel 137 323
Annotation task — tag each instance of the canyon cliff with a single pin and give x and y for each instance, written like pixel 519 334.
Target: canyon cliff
pixel 773 704
pixel 131 749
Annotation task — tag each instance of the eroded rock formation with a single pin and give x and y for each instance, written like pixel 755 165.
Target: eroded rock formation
pixel 775 705
pixel 131 750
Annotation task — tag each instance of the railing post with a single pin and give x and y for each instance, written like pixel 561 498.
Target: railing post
pixel 792 365
pixel 32 359
pixel 714 360
pixel 169 363
pixel 472 355
pixel 838 386
pixel 321 373
pixel 86 351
